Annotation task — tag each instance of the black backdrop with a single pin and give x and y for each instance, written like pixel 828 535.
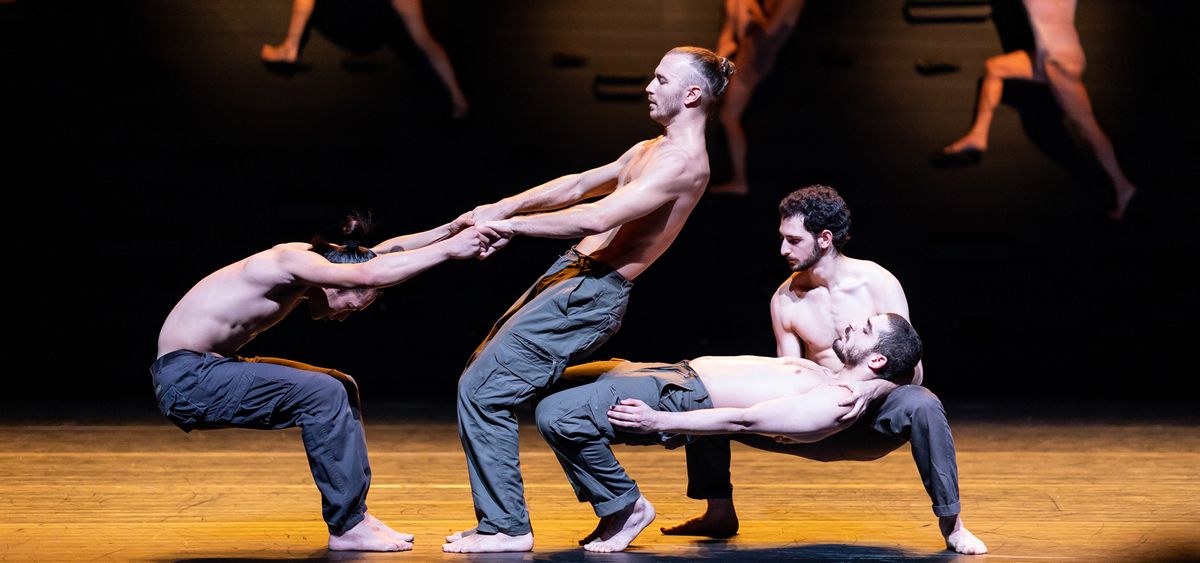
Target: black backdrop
pixel 146 146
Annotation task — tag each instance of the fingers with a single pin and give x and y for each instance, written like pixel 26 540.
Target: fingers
pixel 632 403
pixel 859 406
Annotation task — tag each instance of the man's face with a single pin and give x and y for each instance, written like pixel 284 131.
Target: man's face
pixel 798 246
pixel 858 340
pixel 339 303
pixel 667 88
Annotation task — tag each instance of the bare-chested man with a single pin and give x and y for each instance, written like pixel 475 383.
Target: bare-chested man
pixel 1059 63
pixel 827 290
pixel 772 397
pixel 578 304
pixel 200 384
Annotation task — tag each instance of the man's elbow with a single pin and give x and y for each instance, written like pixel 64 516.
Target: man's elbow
pixel 597 222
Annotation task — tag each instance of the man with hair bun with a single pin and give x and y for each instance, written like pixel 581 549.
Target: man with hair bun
pixel 648 194
pixel 200 383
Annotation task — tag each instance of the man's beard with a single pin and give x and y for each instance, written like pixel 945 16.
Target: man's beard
pixel 810 261
pixel 848 359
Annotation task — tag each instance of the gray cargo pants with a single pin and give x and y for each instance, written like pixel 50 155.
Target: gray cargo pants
pixel 575 424
pixel 205 391
pixel 911 413
pixel 567 314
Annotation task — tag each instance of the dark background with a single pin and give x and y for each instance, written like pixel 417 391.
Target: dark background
pixel 146 146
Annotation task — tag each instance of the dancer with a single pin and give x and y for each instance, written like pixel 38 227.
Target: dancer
pixel 578 304
pixel 1058 62
pixel 752 34
pixel 777 398
pixel 200 383
pixel 827 290
pixel 414 21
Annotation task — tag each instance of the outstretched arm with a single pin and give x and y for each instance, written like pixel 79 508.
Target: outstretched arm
pixel 658 185
pixel 421 239
pixel 555 194
pixel 807 417
pixel 304 266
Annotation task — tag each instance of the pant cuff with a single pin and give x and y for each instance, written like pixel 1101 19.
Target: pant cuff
pixel 947 509
pixel 615 505
pixel 705 493
pixel 513 529
pixel 349 524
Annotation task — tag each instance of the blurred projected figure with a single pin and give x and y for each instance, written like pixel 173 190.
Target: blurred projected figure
pixel 1059 62
pixel 752 36
pixel 414 21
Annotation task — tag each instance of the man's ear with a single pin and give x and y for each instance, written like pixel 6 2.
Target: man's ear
pixel 692 97
pixel 875 361
pixel 825 239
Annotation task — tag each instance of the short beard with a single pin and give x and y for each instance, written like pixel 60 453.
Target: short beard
pixel 848 360
pixel 810 261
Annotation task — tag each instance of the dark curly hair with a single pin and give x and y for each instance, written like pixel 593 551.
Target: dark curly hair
pixel 353 230
pixel 822 208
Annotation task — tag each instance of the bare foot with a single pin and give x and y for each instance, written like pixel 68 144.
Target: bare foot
pixel 363 537
pixel 600 527
pixel 731 188
pixel 624 527
pixel 1124 194
pixel 387 530
pixel 718 521
pixel 959 538
pixel 284 53
pixel 490 543
pixel 459 535
pixel 965 145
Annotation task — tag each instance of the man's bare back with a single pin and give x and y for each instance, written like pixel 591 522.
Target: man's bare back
pixel 229 307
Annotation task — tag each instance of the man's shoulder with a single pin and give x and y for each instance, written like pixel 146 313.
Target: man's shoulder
pixel 872 273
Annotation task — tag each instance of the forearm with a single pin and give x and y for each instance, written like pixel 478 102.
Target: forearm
pixel 414 241
pixel 555 194
pixel 578 221
pixel 703 421
pixel 394 268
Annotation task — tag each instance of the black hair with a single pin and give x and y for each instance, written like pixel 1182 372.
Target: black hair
pixel 355 228
pixel 822 208
pixel 901 345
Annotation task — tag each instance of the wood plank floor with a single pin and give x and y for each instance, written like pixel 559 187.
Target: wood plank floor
pixel 1035 491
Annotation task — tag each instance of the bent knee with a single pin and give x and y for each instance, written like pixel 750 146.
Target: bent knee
pixel 916 399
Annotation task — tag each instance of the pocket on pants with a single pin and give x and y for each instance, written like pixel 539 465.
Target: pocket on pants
pixel 180 411
pixel 225 391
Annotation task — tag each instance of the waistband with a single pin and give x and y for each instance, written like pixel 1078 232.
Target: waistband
pixel 593 265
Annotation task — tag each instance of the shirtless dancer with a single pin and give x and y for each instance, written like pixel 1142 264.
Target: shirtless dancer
pixel 200 384
pixel 827 290
pixel 578 304
pixel 753 35
pixel 410 12
pixel 1058 62
pixel 774 397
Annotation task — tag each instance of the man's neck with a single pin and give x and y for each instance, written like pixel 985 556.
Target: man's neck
pixel 826 271
pixel 685 130
pixel 857 373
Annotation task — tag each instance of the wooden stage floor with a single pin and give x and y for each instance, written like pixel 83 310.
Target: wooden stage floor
pixel 1033 489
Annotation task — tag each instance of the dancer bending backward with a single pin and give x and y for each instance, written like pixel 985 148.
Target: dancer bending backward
pixel 578 303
